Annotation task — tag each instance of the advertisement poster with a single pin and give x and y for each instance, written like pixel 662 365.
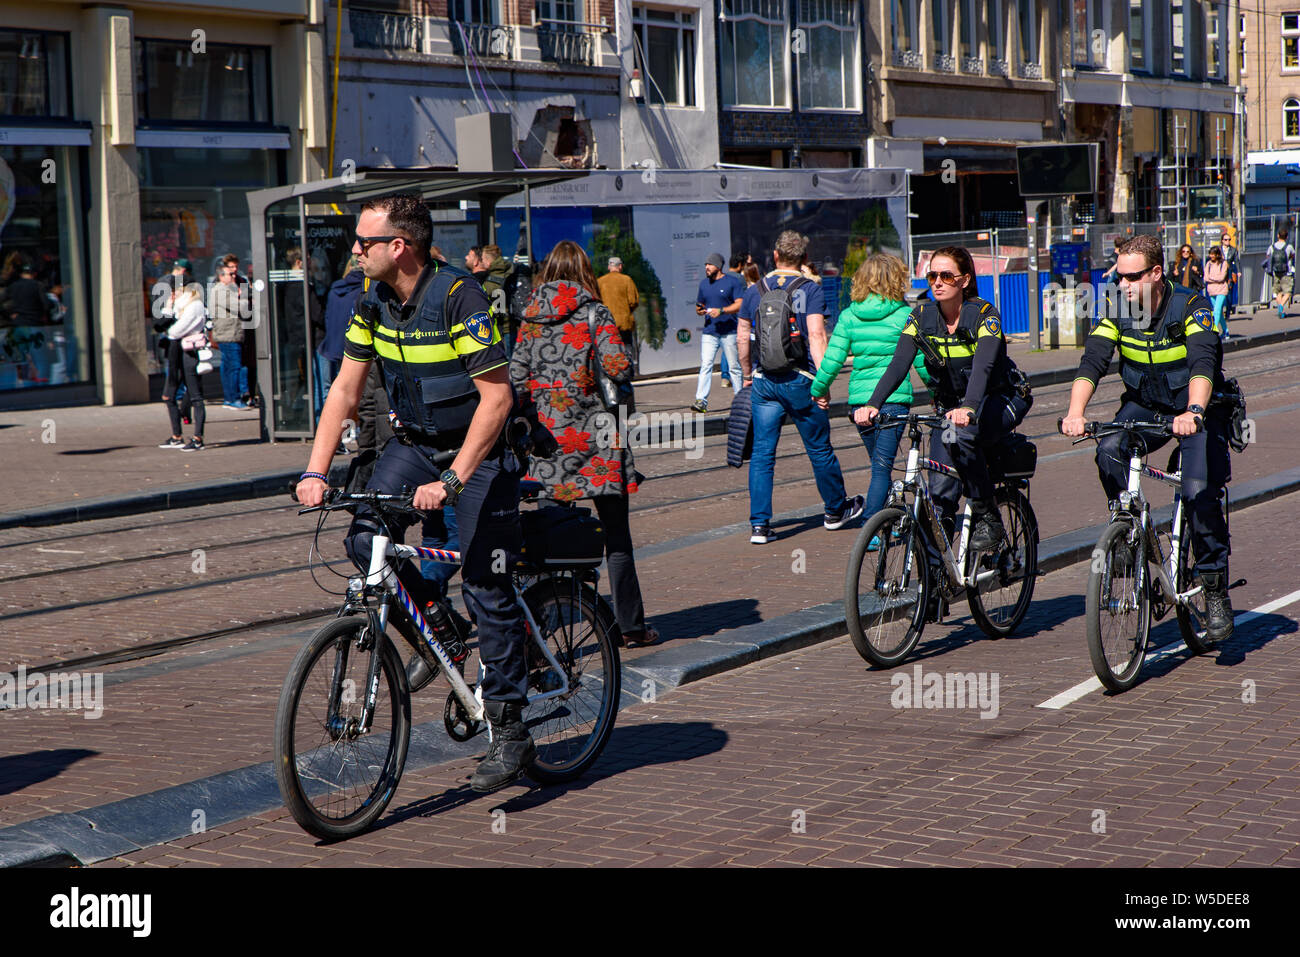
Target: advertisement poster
pixel 675 240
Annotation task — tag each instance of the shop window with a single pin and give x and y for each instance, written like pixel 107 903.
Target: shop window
pixel 33 74
pixel 1290 42
pixel 224 84
pixel 664 47
pixel 828 55
pixel 755 63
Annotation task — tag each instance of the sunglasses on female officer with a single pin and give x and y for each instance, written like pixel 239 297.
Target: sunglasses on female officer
pixel 945 276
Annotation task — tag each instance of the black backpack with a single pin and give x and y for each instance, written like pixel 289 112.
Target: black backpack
pixel 1277 263
pixel 781 344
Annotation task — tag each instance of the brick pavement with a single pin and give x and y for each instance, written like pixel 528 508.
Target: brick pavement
pixel 802 759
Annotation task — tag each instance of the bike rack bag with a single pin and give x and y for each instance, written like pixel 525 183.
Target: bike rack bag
pixel 1015 457
pixel 556 536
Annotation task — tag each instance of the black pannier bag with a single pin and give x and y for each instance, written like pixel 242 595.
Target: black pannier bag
pixel 1015 457
pixel 559 537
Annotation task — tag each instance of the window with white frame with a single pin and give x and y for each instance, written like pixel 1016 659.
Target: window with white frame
pixel 828 57
pixel 663 42
pixel 941 34
pixel 1291 118
pixel 1028 16
pixel 1177 40
pixel 1139 37
pixel 1088 32
pixel 1290 42
pixel 755 54
pixel 568 11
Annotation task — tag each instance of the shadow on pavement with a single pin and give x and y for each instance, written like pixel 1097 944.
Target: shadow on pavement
pixel 705 620
pixel 110 448
pixel 18 771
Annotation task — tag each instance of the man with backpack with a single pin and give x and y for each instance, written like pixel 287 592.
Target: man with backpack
pixel 781 339
pixel 1281 266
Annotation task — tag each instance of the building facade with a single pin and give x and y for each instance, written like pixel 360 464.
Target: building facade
pixel 128 136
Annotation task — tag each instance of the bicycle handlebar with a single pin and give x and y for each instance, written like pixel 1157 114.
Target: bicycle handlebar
pixel 1162 423
pixel 885 418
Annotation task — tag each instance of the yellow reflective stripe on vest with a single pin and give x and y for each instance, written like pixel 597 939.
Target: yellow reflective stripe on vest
pixel 1106 330
pixel 953 349
pixel 1152 356
pixel 415 355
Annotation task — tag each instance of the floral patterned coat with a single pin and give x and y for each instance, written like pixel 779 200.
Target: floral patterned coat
pixel 550 363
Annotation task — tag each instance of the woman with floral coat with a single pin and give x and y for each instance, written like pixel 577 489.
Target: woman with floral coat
pixel 552 363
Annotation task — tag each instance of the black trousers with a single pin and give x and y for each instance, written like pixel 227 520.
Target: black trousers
pixel 965 451
pixel 1205 469
pixel 182 364
pixel 487 515
pixel 623 583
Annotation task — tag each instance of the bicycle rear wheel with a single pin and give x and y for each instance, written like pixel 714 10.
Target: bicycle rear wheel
pixel 335 780
pixel 578 627
pixel 1118 607
pixel 1000 604
pixel 885 590
pixel 1191 614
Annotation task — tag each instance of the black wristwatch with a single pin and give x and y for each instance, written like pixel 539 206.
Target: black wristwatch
pixel 451 481
pixel 1196 410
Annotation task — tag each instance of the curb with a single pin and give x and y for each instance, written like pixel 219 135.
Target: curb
pixel 131 824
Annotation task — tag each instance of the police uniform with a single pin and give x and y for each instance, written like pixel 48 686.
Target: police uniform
pixel 430 349
pixel 1158 360
pixel 977 374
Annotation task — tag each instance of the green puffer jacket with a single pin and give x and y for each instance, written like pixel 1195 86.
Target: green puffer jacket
pixel 870 330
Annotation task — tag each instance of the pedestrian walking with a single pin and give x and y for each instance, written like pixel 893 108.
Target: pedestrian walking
pixel 552 367
pixel 227 305
pixel 184 332
pixel 782 338
pixel 621 297
pixel 1233 259
pixel 869 329
pixel 1217 286
pixel 1187 269
pixel 1279 263
pixel 718 301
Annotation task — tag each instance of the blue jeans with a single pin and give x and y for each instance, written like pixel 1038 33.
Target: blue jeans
pixel 232 364
pixel 773 398
pixel 709 345
pixel 882 446
pixel 325 370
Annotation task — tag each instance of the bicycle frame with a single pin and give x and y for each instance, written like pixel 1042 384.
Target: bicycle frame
pixel 1133 499
pixel 383 577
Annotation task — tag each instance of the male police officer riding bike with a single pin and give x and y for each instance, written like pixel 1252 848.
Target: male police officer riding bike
pixel 1171 362
pixel 446 374
pixel 982 392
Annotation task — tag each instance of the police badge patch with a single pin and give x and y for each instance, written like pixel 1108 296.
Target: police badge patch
pixel 1204 318
pixel 992 325
pixel 479 327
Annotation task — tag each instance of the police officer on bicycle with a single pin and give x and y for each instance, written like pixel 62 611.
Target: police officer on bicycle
pixel 980 390
pixel 1171 362
pixel 447 379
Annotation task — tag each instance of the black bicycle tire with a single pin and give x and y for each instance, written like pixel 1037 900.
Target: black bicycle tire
pixel 606 631
pixel 1029 524
pixel 286 770
pixel 1107 675
pixel 852 576
pixel 1186 570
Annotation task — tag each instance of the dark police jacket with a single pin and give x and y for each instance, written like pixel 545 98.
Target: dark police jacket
pixel 430 348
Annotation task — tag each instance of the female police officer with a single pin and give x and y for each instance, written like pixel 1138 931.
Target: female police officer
pixel 446 375
pixel 985 395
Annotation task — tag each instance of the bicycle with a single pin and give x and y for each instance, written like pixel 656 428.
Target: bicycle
pixel 343 722
pixel 887 613
pixel 1122 596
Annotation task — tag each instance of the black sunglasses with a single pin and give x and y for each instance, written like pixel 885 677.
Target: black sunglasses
pixel 365 242
pixel 1133 276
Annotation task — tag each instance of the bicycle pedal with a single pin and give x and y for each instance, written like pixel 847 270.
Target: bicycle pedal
pixel 1237 584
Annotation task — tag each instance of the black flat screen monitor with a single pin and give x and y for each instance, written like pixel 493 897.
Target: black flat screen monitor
pixel 1061 169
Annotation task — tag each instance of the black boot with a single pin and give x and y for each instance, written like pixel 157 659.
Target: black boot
pixel 1218 609
pixel 512 750
pixel 988 532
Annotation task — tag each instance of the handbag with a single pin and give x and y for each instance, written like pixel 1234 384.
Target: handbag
pixel 195 341
pixel 612 394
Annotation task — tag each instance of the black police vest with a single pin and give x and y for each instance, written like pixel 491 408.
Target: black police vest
pixel 429 391
pixel 958 349
pixel 1153 362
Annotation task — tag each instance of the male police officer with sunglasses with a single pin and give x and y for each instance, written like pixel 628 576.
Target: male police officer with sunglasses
pixel 1171 362
pixel 445 371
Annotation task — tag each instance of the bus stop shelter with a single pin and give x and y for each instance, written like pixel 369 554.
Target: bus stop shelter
pixel 302 236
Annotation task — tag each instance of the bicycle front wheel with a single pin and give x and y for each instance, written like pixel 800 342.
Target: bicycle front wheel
pixel 336 779
pixel 885 589
pixel 999 604
pixel 1191 614
pixel 1118 607
pixel 570 730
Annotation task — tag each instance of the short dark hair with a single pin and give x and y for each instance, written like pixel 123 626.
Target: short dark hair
pixel 230 259
pixel 1148 247
pixel 1283 232
pixel 737 260
pixel 409 218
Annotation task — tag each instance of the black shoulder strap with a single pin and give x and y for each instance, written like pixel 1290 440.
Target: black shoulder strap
pixel 1176 313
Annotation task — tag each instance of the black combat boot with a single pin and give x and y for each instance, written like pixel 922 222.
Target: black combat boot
pixel 1218 609
pixel 988 532
pixel 512 750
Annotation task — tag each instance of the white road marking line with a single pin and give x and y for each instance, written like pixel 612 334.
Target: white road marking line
pixel 58 551
pixel 1056 702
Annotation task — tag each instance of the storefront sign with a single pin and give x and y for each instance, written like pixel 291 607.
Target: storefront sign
pixel 44 136
pixel 211 139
